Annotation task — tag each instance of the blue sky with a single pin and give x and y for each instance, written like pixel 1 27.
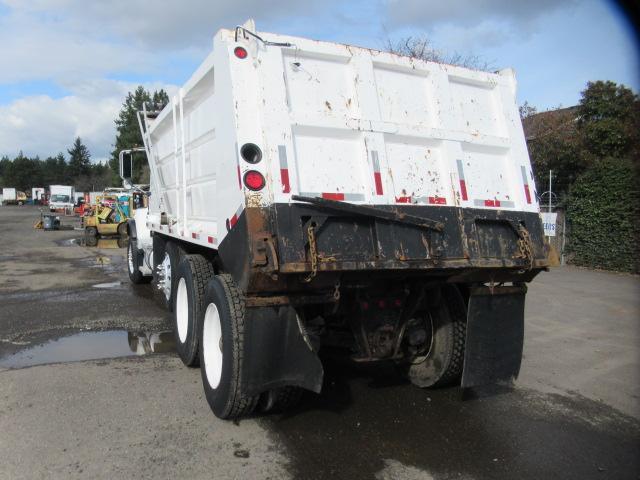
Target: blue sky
pixel 67 64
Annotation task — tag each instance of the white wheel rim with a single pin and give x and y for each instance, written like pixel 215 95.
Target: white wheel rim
pixel 212 345
pixel 130 258
pixel 182 310
pixel 166 276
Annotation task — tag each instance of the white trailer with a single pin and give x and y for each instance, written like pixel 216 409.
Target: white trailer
pixel 61 197
pixel 308 193
pixel 9 196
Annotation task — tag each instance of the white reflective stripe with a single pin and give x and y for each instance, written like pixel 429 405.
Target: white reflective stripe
pixel 354 197
pixel 460 169
pixel 525 179
pixel 282 154
pixel 375 161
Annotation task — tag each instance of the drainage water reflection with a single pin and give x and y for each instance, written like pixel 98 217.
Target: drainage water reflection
pixel 91 346
pixel 101 242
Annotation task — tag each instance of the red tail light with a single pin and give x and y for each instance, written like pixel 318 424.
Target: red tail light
pixel 254 180
pixel 240 52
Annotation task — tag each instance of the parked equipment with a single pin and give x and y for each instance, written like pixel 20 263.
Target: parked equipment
pixel 37 195
pixel 50 222
pixel 11 196
pixel 307 194
pixel 61 197
pixel 107 217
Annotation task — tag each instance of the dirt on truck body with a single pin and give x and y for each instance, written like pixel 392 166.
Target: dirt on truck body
pixel 308 194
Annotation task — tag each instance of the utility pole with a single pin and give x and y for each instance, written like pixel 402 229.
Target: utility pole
pixel 550 173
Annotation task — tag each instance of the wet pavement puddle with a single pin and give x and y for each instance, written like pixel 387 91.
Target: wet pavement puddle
pixel 108 285
pixel 94 242
pixel 91 346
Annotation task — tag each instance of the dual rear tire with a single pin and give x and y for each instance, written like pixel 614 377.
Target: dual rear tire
pixel 193 274
pixel 209 329
pixel 222 348
pixel 209 315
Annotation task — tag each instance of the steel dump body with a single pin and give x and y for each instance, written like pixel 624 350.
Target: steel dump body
pixel 351 126
pixel 330 195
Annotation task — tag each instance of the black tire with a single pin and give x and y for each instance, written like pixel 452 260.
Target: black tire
pixel 442 364
pixel 135 275
pixel 123 229
pixel 91 231
pixel 278 400
pixel 225 396
pixel 195 271
pixel 174 254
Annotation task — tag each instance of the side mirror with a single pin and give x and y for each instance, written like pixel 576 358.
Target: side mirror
pixel 126 165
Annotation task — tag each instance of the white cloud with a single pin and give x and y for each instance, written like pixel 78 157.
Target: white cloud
pixel 430 13
pixel 174 24
pixel 79 45
pixel 41 125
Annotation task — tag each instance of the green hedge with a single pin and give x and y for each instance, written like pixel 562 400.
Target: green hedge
pixel 604 213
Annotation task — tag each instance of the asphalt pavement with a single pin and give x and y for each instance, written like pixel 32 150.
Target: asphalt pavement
pixel 90 387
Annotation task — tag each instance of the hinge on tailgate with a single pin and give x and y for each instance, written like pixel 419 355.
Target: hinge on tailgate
pixel 263 253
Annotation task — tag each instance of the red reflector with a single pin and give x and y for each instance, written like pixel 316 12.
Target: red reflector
pixel 284 178
pixel 378 180
pixel 397 302
pixel 365 305
pixel 527 193
pixel 254 180
pixel 382 303
pixel 240 52
pixel 463 190
pixel 333 196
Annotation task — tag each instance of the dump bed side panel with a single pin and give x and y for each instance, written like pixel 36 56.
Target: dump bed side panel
pixel 197 196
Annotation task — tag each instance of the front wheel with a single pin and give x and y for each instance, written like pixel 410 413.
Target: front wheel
pixel 133 267
pixel 222 349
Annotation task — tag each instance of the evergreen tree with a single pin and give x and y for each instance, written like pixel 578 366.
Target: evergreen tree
pixel 79 159
pixel 127 130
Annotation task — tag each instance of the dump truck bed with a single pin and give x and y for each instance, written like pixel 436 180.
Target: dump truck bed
pixel 337 122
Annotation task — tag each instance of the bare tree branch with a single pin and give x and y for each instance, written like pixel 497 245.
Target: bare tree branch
pixel 422 49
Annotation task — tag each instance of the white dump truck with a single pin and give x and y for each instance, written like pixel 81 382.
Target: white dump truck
pixel 61 197
pixel 309 194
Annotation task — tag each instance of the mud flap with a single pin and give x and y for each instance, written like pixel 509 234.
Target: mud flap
pixel 495 335
pixel 275 352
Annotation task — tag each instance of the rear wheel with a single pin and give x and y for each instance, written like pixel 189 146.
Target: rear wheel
pixel 222 349
pixel 133 267
pixel 91 232
pixel 280 399
pixel 193 274
pixel 441 358
pixel 166 272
